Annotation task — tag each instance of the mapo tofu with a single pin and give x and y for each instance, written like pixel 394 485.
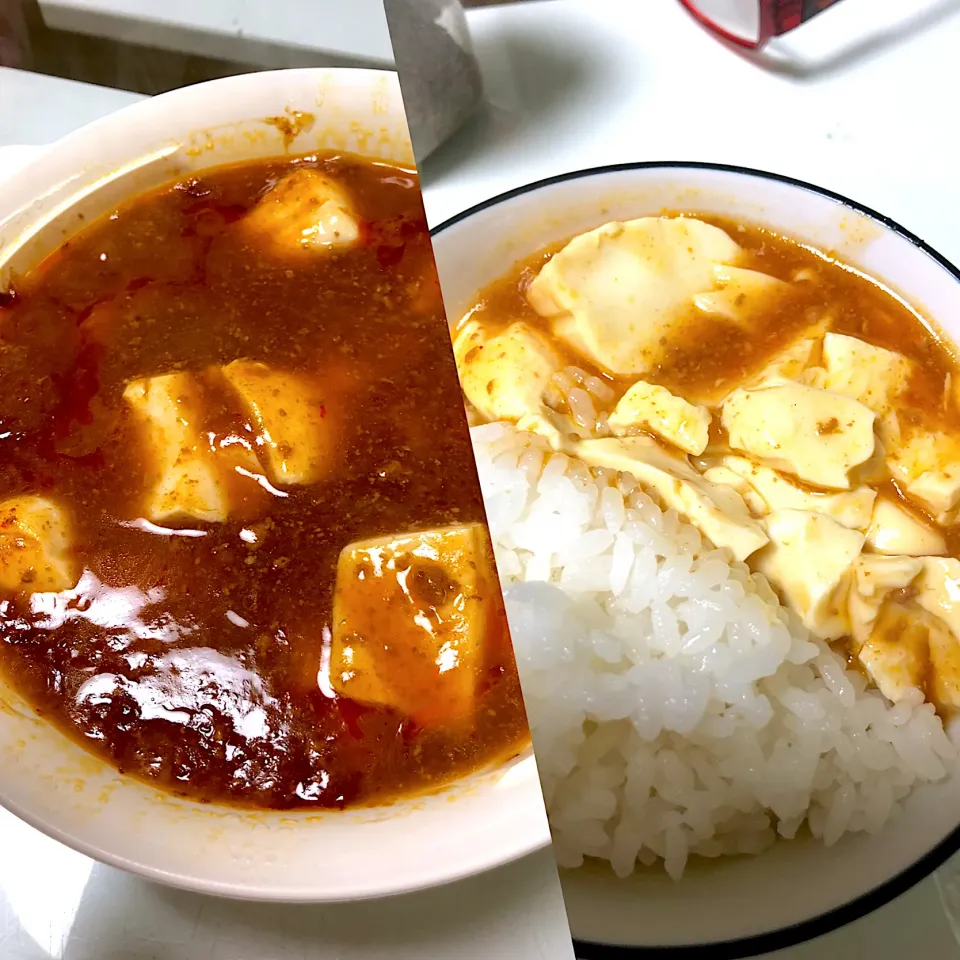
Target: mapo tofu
pixel 801 417
pixel 219 406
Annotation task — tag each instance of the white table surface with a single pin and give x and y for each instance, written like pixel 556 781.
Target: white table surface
pixel 38 109
pixel 864 107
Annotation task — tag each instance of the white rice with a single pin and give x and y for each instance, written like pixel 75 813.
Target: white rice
pixel 676 708
pixel 576 392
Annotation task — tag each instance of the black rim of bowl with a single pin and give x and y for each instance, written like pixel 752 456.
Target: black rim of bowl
pixel 761 943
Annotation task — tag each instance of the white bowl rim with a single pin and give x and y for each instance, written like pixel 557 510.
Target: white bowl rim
pixel 449 873
pixel 896 886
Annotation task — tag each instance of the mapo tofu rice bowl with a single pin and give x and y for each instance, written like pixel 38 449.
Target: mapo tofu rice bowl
pixel 717 424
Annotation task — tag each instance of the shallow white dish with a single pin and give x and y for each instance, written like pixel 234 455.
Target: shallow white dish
pixel 474 825
pixel 797 890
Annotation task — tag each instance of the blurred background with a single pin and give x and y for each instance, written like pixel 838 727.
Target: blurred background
pixel 145 47
pixel 148 47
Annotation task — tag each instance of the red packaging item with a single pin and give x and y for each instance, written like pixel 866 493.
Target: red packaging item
pixel 752 29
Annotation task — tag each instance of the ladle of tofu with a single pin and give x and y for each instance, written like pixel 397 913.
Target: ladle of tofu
pixel 806 468
pixel 409 621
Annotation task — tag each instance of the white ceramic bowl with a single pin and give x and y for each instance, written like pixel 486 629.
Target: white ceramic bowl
pixel 797 890
pixel 478 823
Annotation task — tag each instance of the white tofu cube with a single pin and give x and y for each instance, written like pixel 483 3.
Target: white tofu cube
pixel 895 531
pixel 876 577
pixel 410 615
pixel 618 292
pixel 927 467
pixel 817 436
pixel 188 487
pixel 810 561
pixel 872 375
pixel 897 654
pixel 35 546
pixel 647 406
pixel 504 374
pixel 294 434
pixel 777 491
pixel 305 211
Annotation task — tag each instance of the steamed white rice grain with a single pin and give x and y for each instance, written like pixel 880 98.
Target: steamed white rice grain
pixel 676 708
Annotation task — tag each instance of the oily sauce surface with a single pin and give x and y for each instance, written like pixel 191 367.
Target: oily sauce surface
pixel 192 661
pixel 720 355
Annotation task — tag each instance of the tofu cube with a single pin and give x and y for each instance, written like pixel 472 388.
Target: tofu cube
pixel 945 664
pixel 34 546
pixel 792 361
pixel 897 654
pixel 618 293
pixel 852 509
pixel 895 531
pixel 188 488
pixel 295 438
pixel 938 590
pixel 305 211
pixel 872 375
pixel 818 436
pixel 876 577
pixel 504 374
pixel 927 466
pixel 409 621
pixel 810 561
pixel 647 406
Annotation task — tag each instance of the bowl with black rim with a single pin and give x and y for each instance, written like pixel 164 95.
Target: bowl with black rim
pixel 800 889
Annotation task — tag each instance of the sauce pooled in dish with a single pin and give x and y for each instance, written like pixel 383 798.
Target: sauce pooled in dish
pixel 243 553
